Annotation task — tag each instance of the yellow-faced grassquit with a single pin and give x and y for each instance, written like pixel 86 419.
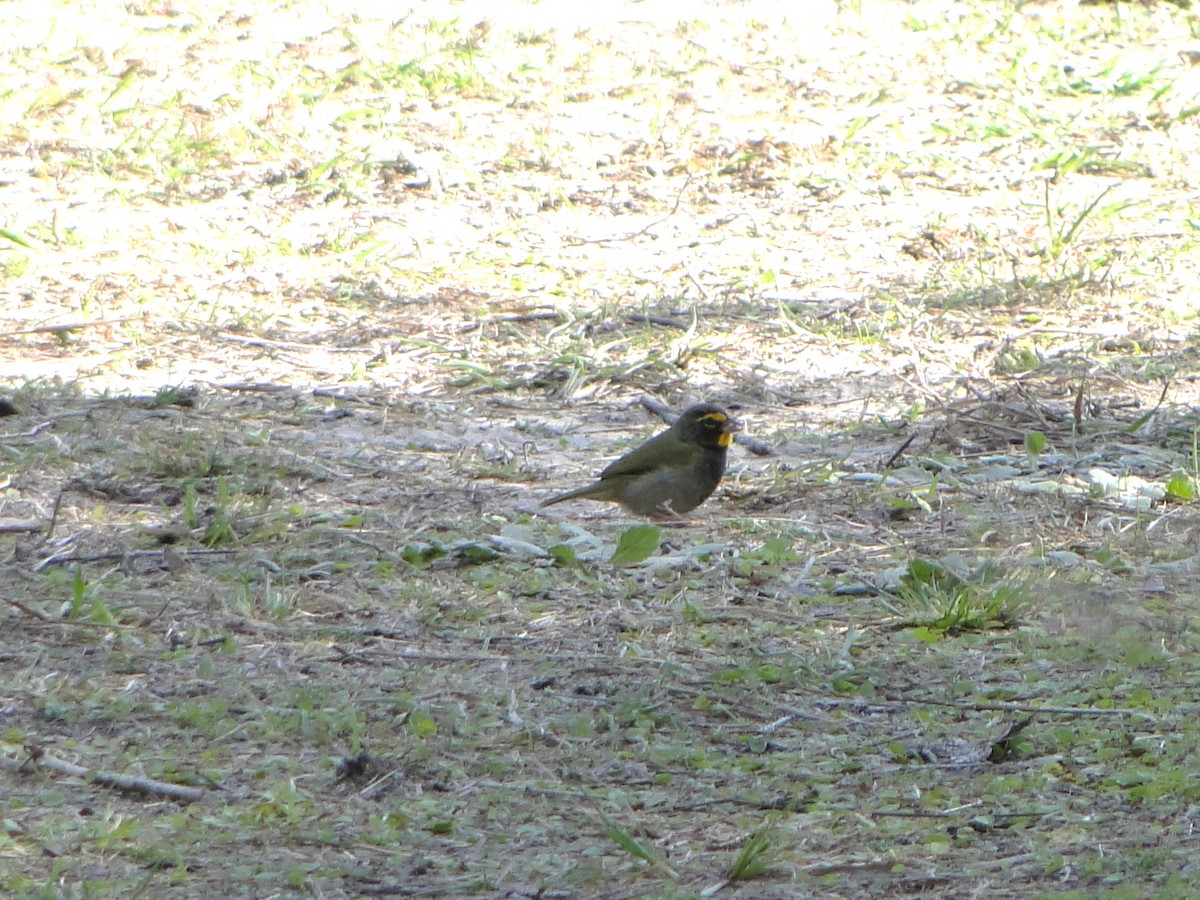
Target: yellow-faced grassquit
pixel 673 472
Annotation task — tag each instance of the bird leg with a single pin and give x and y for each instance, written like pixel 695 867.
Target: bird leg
pixel 664 513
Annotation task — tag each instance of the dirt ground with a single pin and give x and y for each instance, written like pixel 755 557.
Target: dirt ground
pixel 307 309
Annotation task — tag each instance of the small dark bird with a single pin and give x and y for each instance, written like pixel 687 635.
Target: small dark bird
pixel 673 472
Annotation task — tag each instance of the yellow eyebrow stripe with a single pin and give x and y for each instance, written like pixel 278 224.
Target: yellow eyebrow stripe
pixel 716 417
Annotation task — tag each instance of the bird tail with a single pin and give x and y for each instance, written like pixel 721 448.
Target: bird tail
pixel 585 491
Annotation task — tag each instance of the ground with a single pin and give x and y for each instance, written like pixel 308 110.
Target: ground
pixel 306 310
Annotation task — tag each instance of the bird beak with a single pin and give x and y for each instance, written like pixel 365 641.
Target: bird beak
pixel 727 431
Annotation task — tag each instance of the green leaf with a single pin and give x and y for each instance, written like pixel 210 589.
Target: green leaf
pixel 619 835
pixel 474 554
pixel 15 238
pixel 1137 423
pixel 422 724
pixel 636 544
pixel 1035 442
pixel 421 556
pixel 927 572
pixel 754 858
pixel 1180 487
pixel 778 550
pixel 563 555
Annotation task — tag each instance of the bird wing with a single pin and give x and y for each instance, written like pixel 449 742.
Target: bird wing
pixel 639 460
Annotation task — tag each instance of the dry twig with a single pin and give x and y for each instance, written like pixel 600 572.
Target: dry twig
pixel 110 779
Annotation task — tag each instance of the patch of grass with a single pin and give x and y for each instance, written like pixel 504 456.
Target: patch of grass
pixel 941 603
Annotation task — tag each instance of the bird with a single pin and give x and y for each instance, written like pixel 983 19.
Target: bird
pixel 670 474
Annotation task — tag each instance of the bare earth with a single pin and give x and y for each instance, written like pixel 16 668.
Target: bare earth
pixel 305 309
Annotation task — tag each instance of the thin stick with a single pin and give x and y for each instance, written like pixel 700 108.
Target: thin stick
pixel 32 432
pixel 639 319
pixel 70 326
pixel 899 451
pixel 28 610
pixel 640 232
pixel 110 779
pixel 121 555
pixel 53 517
pixel 19 526
pixel 1026 708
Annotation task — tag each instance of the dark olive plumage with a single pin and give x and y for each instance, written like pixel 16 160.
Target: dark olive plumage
pixel 673 472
